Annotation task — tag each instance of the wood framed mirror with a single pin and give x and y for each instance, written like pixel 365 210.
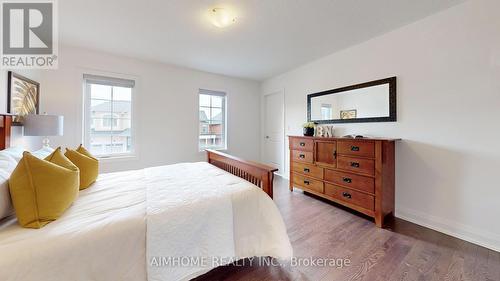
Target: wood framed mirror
pixel 373 101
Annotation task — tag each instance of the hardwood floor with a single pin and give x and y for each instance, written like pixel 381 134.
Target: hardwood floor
pixel 401 251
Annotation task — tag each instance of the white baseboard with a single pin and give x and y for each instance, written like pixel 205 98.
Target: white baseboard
pixel 470 234
pixel 281 175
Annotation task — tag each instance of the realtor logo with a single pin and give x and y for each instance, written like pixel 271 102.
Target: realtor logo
pixel 29 35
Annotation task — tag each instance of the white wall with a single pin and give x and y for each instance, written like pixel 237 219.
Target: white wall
pixel 167 106
pixel 448 71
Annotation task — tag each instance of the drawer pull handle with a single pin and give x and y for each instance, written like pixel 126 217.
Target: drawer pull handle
pixel 302 156
pixel 347 180
pixel 306 170
pixel 355 164
pixel 354 148
pixel 346 195
pixel 306 182
pixel 302 144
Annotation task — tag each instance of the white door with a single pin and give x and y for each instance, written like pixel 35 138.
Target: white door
pixel 273 153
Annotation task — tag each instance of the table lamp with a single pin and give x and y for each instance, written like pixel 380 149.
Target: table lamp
pixel 44 126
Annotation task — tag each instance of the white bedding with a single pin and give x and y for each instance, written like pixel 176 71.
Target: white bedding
pixel 191 209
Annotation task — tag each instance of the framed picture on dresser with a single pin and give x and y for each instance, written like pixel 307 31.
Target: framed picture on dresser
pixel 348 114
pixel 23 97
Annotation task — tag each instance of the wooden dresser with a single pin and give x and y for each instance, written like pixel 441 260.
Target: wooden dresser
pixel 357 173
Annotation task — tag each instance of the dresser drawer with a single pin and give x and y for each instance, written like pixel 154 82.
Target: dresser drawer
pixel 358 165
pixel 356 148
pixel 308 170
pixel 308 183
pixel 362 183
pixel 357 198
pixel 303 156
pixel 302 144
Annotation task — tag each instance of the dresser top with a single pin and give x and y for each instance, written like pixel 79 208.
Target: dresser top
pixel 346 138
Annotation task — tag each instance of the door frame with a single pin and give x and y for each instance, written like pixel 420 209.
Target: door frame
pixel 281 93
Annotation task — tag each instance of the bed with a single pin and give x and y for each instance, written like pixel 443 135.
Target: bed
pixel 172 222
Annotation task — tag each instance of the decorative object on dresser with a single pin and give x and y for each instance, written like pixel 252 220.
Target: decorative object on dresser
pixel 23 96
pixel 357 173
pixel 308 129
pixel 325 131
pixel 348 114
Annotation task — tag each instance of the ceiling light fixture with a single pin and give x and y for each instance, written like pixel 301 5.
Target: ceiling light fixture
pixel 221 17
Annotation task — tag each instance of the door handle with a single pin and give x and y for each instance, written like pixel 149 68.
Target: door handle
pixel 346 195
pixel 347 180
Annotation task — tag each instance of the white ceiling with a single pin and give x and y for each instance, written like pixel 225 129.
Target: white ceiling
pixel 269 37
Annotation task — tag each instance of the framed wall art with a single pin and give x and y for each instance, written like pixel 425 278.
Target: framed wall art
pixel 348 114
pixel 23 97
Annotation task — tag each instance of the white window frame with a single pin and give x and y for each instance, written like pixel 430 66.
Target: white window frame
pixel 329 107
pixel 224 117
pixel 114 80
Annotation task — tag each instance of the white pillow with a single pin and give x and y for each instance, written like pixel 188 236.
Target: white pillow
pixel 7 165
pixel 43 152
pixel 15 151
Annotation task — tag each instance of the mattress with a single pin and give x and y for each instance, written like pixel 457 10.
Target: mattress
pixel 116 226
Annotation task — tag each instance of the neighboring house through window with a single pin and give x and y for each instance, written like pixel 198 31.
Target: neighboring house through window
pixel 212 118
pixel 108 116
pixel 110 120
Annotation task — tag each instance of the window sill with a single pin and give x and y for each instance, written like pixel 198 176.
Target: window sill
pixel 117 158
pixel 223 149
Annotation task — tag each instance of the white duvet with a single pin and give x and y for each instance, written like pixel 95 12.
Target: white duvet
pixel 126 225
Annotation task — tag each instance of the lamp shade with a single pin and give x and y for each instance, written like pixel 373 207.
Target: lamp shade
pixel 43 125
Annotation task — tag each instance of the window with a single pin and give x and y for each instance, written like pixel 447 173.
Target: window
pixel 108 116
pixel 212 126
pixel 326 111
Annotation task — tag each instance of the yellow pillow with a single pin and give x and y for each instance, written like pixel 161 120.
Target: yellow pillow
pixel 42 189
pixel 88 165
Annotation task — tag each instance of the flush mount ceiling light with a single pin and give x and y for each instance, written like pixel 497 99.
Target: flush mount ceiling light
pixel 221 17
